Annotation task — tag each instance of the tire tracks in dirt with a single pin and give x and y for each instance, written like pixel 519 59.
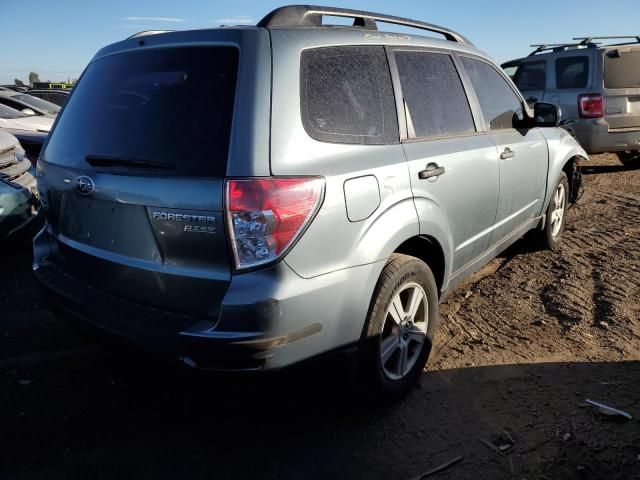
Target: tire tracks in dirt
pixel 579 301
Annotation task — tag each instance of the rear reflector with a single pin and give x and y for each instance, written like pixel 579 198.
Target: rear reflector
pixel 266 215
pixel 591 106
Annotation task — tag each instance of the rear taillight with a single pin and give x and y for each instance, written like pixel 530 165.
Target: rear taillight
pixel 266 215
pixel 591 106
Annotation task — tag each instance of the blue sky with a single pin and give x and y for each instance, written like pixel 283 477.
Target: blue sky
pixel 58 38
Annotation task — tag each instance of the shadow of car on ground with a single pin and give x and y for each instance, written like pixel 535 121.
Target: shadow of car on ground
pixel 101 414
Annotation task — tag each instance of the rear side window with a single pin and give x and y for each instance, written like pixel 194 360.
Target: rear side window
pixel 622 69
pixel 169 107
pixel 531 76
pixel 347 96
pixel 499 104
pixel 572 72
pixel 435 101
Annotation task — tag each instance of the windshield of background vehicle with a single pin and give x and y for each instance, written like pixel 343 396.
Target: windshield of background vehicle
pixel 38 103
pixel 8 112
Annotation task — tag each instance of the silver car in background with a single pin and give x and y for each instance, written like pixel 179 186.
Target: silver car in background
pixel 18 200
pixel 16 120
pixel 28 104
pixel 244 198
pixel 595 85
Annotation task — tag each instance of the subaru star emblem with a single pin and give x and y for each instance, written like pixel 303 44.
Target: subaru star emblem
pixel 84 185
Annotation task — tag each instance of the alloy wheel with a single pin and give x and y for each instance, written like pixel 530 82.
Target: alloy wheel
pixel 557 214
pixel 404 331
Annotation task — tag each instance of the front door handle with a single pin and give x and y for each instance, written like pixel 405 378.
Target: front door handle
pixel 432 170
pixel 508 153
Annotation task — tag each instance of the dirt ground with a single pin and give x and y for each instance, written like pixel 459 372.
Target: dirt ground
pixel 520 348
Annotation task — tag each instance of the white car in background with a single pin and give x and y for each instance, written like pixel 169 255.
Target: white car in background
pixel 15 120
pixel 28 104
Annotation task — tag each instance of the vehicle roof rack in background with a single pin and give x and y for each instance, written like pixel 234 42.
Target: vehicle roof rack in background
pixel 144 33
pixel 636 39
pixel 311 16
pixel 559 47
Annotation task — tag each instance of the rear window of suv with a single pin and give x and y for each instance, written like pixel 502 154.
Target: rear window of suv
pixel 622 69
pixel 347 96
pixel 168 107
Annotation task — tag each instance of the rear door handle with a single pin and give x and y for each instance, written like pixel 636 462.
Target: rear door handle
pixel 508 153
pixel 432 170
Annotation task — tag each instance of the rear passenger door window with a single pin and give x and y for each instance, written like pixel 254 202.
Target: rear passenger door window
pixel 572 72
pixel 435 101
pixel 347 96
pixel 500 106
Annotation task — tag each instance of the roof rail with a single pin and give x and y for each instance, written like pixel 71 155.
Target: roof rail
pixel 144 33
pixel 311 16
pixel 615 37
pixel 559 47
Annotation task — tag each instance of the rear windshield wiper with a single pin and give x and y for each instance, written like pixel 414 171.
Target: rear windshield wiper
pixel 112 161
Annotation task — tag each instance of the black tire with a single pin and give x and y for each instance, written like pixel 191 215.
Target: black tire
pixel 549 237
pixel 401 274
pixel 628 158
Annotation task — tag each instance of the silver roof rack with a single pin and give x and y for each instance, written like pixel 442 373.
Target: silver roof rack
pixel 145 33
pixel 559 47
pixel 311 16
pixel 636 38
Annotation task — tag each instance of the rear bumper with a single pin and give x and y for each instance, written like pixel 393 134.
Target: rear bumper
pixel 596 137
pixel 268 319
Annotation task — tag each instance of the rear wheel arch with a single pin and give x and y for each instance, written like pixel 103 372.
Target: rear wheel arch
pixel 429 250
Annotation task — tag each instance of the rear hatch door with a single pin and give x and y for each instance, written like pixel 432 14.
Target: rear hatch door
pixel 134 171
pixel 621 67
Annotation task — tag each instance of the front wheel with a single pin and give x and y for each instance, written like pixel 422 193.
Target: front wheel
pixel 551 235
pixel 401 325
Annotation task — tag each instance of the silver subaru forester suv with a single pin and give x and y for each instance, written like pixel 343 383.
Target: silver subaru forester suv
pixel 244 198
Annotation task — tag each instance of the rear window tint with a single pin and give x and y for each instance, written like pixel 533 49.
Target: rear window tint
pixel 572 72
pixel 435 100
pixel 531 76
pixel 622 69
pixel 166 106
pixel 347 96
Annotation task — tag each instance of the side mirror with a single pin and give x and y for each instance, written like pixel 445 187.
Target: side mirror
pixel 28 111
pixel 546 114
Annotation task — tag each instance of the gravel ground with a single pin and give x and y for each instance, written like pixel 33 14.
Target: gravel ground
pixel 520 348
